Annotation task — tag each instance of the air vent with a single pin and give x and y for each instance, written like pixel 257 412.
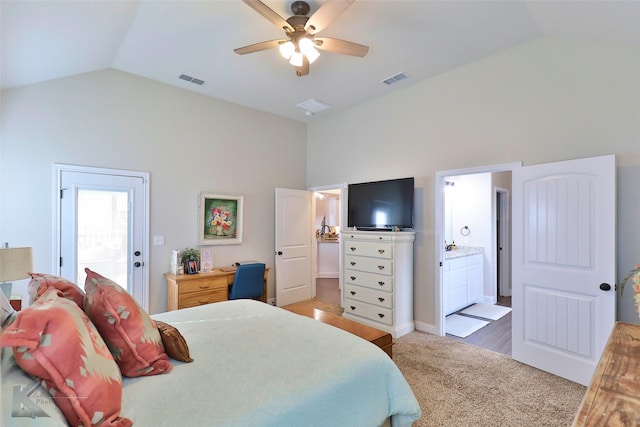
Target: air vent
pixel 191 79
pixel 395 78
pixel 312 106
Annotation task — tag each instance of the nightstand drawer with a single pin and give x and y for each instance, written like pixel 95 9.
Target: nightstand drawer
pixel 206 285
pixel 205 297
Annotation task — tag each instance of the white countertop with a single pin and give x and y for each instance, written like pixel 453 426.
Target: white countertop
pixel 461 251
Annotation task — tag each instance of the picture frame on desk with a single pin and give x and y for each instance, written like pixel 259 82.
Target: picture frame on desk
pixel 220 219
pixel 192 267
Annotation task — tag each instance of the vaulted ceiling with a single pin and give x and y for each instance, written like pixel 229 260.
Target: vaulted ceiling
pixel 162 40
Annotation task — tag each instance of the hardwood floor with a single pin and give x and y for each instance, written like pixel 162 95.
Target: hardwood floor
pixel 327 290
pixel 496 336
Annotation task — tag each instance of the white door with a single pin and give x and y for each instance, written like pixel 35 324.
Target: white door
pixel 294 239
pixel 564 265
pixel 103 226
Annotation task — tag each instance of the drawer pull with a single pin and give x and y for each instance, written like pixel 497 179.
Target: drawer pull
pixel 380 315
pixel 204 286
pixel 381 283
pixel 380 299
pixel 353 277
pixel 381 267
pixel 380 251
pixel 353 292
pixel 353 263
pixel 352 248
pixel 203 301
pixel 353 307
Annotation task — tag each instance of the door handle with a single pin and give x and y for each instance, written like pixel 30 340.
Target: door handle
pixel 279 252
pixel 605 287
pixel 137 264
pixel 137 253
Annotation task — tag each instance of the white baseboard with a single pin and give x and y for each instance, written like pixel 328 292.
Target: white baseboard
pixel 426 327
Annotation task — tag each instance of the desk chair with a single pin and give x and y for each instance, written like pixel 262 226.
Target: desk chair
pixel 248 282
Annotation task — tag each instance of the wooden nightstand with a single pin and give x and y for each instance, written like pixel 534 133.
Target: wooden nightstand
pixel 190 290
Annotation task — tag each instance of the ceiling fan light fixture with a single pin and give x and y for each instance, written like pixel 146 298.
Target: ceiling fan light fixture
pixel 307 48
pixel 296 59
pixel 286 49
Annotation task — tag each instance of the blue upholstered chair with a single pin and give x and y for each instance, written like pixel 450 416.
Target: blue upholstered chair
pixel 249 282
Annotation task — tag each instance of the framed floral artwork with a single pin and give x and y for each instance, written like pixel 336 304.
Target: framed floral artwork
pixel 220 219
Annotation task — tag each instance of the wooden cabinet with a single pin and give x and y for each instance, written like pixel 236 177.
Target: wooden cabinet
pixel 378 279
pixel 462 281
pixel 190 290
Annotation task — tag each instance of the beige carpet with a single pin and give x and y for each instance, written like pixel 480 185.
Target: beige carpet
pixel 459 385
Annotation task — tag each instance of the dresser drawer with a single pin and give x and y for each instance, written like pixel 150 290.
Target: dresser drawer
pixel 377 250
pixel 369 280
pixel 368 295
pixel 193 299
pixel 370 265
pixel 205 284
pixel 368 311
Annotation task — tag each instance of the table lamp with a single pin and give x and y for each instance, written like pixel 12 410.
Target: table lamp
pixel 15 264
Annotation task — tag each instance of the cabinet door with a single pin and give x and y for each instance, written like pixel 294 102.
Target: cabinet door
pixel 475 278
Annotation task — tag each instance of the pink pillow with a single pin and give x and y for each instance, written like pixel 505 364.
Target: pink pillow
pixel 127 329
pixel 54 340
pixel 41 282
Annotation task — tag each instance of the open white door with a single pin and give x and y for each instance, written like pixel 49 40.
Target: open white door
pixel 294 238
pixel 564 265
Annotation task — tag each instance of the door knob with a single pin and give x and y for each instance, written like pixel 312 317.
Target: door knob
pixel 279 252
pixel 137 253
pixel 137 264
pixel 605 286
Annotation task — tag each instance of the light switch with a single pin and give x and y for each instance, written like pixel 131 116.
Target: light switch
pixel 158 240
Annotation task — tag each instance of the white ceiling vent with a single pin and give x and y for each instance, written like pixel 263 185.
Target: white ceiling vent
pixel 312 106
pixel 191 79
pixel 395 78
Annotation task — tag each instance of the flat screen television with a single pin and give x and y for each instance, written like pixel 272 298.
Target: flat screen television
pixel 381 205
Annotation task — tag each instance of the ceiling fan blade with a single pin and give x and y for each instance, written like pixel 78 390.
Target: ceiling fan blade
pixel 257 47
pixel 268 13
pixel 326 14
pixel 341 46
pixel 304 69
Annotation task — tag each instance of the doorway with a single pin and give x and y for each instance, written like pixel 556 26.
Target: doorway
pixel 102 224
pixel 328 254
pixel 466 232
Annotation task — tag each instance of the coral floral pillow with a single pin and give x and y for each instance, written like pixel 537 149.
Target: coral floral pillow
pixel 131 335
pixel 55 341
pixel 42 282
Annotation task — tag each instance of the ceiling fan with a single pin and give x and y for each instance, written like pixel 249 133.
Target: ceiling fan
pixel 301 41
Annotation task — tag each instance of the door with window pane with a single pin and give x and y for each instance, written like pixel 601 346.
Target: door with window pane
pixel 103 227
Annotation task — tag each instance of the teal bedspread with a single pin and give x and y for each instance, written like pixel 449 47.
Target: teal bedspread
pixel 258 365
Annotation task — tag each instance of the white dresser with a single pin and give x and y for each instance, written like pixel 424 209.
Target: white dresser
pixel 378 279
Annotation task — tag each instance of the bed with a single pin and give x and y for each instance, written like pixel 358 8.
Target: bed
pixel 254 365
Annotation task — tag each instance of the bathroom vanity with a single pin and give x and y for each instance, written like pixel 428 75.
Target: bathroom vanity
pixel 462 278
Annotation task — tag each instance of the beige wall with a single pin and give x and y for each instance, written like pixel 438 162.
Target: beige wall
pixel 188 142
pixel 548 100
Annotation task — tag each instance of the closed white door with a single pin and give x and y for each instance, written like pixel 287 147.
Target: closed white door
pixel 294 238
pixel 103 226
pixel 564 265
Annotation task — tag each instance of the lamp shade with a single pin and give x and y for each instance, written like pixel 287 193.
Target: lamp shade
pixel 15 263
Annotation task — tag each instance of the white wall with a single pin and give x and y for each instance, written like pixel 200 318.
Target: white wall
pixel 549 100
pixel 188 142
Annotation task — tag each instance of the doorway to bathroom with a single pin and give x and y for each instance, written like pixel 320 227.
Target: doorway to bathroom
pixel 474 227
